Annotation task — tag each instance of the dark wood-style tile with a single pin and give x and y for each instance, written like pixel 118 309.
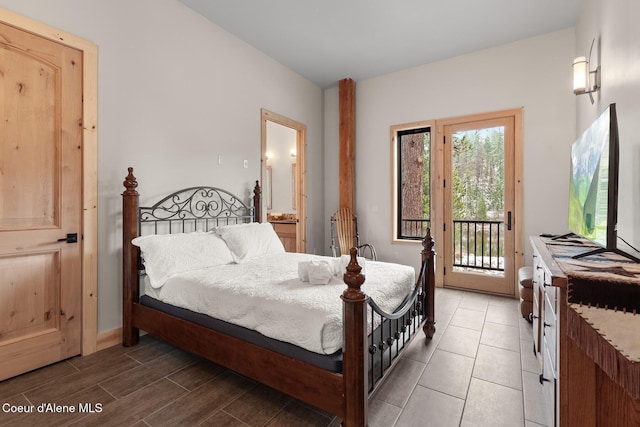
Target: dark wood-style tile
pixel 296 414
pixel 196 374
pixel 258 405
pixel 91 399
pixel 221 418
pixel 34 379
pixel 15 418
pixel 135 406
pixel 152 349
pixel 79 381
pixel 109 356
pixel 143 375
pixel 201 403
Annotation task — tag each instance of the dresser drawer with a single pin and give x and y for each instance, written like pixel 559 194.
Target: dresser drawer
pixel 550 327
pixel 549 389
pixel 551 292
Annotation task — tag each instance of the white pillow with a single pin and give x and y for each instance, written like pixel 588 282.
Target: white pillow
pixel 249 241
pixel 167 254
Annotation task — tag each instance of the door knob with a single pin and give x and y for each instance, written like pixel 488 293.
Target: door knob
pixel 71 238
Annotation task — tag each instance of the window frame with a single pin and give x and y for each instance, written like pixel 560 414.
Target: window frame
pixel 395 130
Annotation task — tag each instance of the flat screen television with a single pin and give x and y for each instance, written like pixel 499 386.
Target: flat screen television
pixel 593 185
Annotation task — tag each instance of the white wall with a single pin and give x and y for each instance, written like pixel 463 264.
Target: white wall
pixel 613 23
pixel 174 92
pixel 533 73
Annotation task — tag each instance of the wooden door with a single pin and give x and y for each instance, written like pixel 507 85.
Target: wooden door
pixel 480 202
pixel 41 143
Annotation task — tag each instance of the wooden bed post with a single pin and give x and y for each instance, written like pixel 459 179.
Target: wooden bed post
pixel 354 362
pixel 257 202
pixel 428 285
pixel 130 292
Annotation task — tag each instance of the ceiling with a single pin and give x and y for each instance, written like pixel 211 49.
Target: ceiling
pixel 328 40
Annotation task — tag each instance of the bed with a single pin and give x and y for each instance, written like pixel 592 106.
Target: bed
pixel 335 376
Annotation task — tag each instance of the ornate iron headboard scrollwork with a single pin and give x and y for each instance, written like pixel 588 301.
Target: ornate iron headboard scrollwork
pixel 195 209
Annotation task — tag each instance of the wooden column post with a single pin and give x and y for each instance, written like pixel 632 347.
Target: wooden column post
pixel 130 291
pixel 347 173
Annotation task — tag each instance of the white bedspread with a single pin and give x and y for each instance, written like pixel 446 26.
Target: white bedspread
pixel 266 295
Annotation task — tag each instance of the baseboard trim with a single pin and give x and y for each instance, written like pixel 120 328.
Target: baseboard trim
pixel 109 339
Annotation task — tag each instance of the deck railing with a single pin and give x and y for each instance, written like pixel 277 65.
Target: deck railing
pixel 478 244
pixel 413 228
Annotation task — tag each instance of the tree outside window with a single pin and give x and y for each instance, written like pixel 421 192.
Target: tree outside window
pixel 413 152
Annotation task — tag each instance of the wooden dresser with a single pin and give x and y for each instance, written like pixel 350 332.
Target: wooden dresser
pixel 587 334
pixel 286 231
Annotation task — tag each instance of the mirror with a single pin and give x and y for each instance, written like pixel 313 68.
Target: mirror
pixel 267 189
pixel 280 158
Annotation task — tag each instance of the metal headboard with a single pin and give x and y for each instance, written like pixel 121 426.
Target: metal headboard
pixel 194 209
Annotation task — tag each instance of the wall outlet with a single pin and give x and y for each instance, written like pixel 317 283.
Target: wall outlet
pixel 246 164
pixel 219 159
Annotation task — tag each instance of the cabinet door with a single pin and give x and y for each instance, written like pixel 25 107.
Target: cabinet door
pixel 287 234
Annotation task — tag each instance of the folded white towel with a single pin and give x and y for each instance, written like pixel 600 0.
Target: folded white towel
pixel 303 270
pixel 320 272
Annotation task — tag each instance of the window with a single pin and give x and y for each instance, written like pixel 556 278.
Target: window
pixel 412 180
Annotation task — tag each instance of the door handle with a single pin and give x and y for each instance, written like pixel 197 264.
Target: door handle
pixel 71 238
pixel 509 221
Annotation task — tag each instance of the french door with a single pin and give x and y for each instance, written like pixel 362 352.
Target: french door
pixel 481 215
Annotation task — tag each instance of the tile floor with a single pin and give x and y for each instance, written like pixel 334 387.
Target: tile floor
pixel 478 370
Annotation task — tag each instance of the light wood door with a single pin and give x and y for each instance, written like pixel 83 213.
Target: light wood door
pixel 40 201
pixel 480 202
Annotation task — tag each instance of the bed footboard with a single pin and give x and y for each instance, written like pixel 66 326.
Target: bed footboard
pixel 397 329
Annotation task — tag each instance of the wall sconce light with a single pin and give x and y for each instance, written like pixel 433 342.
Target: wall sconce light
pixel 585 80
pixel 293 152
pixel 268 155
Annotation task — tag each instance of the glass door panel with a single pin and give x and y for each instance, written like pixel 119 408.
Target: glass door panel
pixel 479 205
